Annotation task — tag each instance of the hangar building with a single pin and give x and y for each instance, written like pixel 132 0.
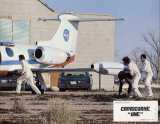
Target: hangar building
pixel 19 22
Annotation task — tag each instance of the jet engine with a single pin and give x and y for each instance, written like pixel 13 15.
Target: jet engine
pixel 48 55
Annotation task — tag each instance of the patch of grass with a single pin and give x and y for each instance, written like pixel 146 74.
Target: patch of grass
pixel 43 97
pixel 58 113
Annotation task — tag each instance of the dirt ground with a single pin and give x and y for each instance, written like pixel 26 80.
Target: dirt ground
pixel 91 107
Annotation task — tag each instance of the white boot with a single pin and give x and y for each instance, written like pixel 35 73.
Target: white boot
pixel 54 88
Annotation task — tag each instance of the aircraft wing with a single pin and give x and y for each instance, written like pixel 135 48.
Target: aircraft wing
pixel 62 70
pixel 105 68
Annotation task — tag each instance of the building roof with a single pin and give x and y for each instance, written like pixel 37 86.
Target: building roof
pixel 46 5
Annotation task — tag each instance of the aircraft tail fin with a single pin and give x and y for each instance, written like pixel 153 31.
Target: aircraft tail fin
pixel 66 36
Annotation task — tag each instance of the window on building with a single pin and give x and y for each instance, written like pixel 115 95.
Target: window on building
pixel 21 31
pixel 14 30
pixel 5 30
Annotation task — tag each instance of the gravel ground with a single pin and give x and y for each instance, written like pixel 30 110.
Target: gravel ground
pixel 91 107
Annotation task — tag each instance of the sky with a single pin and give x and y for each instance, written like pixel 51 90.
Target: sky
pixel 141 17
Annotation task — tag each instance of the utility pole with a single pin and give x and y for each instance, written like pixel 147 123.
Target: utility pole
pixel 12 27
pixel 159 37
pixel 100 81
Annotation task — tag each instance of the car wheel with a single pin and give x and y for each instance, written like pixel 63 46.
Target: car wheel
pixel 62 90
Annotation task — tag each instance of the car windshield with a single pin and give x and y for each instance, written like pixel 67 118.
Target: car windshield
pixel 74 73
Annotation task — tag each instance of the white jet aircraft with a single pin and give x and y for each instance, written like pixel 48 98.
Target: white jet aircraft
pixel 46 56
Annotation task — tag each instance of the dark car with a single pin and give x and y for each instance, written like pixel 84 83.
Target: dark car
pixel 75 81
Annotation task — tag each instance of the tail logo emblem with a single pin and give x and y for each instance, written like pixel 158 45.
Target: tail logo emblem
pixel 66 35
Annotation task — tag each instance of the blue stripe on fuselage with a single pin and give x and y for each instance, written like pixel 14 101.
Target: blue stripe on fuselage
pixel 17 62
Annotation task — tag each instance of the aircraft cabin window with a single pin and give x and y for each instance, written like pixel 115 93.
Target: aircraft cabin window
pixel 9 52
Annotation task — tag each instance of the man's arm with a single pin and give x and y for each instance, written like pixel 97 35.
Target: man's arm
pixel 130 68
pixel 144 67
pixel 23 66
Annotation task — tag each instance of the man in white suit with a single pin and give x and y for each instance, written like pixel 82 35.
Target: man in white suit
pixel 135 73
pixel 147 73
pixel 27 76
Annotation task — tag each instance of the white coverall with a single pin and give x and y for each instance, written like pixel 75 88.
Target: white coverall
pixel 136 77
pixel 148 74
pixel 27 76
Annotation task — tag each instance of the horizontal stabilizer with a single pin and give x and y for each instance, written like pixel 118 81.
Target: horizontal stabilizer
pixel 81 19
